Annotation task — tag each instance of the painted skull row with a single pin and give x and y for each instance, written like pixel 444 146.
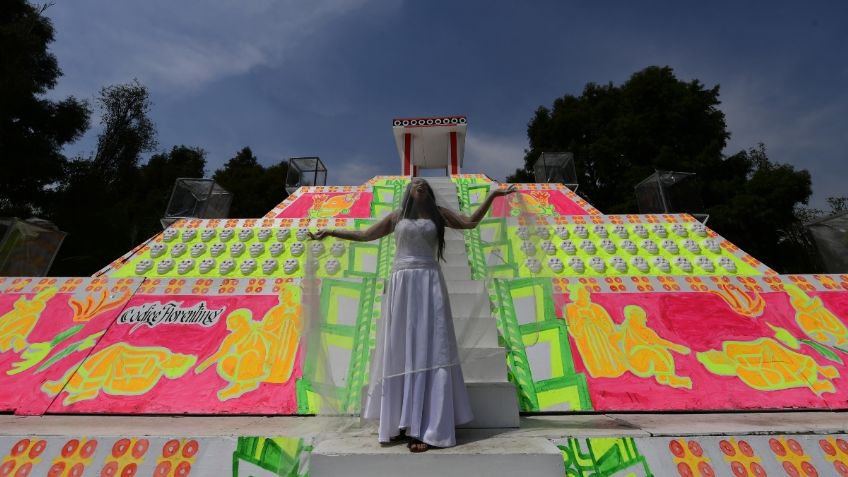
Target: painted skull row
pixel 226 266
pixel 621 231
pixel 607 245
pixel 621 265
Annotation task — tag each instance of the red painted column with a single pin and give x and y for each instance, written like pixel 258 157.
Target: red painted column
pixel 407 154
pixel 454 156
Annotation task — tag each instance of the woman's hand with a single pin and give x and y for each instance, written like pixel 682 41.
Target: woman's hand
pixel 321 234
pixel 500 191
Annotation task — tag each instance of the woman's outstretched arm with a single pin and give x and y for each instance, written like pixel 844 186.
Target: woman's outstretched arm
pixel 457 220
pixel 384 227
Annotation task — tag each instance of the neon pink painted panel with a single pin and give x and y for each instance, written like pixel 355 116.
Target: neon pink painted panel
pixel 191 354
pixel 329 204
pixel 542 202
pixel 761 371
pixel 43 336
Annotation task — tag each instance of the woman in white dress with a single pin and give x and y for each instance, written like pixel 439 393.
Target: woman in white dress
pixel 416 386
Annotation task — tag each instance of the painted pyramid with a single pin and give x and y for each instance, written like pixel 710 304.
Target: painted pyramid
pixel 597 313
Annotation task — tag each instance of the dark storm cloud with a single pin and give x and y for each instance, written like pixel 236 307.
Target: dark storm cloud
pixel 325 78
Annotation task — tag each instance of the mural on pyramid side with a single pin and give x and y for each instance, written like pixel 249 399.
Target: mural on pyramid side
pixel 47 327
pixel 596 313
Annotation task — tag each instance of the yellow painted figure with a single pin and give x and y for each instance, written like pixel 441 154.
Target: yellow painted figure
pixel 120 370
pixel 767 365
pixel 609 350
pixel 326 206
pixel 817 321
pixel 535 202
pixel 646 353
pixel 594 333
pixel 18 323
pixel 257 351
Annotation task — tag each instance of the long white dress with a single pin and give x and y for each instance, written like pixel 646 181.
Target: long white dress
pixel 416 380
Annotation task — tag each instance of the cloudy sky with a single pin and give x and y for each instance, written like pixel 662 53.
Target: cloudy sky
pixel 291 78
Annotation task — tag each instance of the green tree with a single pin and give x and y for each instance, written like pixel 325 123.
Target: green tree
pixel 33 130
pixel 759 213
pixel 99 200
pixel 156 183
pixel 255 188
pixel 127 131
pixel 621 134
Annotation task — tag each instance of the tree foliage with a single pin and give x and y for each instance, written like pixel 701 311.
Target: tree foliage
pixel 256 189
pixel 127 130
pixel 110 202
pixel 653 121
pixel 104 221
pixel 33 130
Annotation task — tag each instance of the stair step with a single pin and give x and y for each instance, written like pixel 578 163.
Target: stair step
pixel 454 257
pixel 454 272
pixel 454 246
pixel 476 332
pixel 483 365
pixel 473 456
pixel 454 234
pixel 465 286
pixel 469 304
pixel 495 405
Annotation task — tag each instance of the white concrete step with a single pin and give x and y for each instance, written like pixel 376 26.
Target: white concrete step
pixel 476 332
pixel 456 272
pixel 495 405
pixel 466 286
pixel 483 365
pixel 454 246
pixel 454 235
pixel 469 304
pixel 454 257
pixel 474 456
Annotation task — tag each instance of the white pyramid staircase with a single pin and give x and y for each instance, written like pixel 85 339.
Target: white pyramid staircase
pixel 493 398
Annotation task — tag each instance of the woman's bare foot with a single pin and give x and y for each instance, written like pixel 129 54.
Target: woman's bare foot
pixel 417 446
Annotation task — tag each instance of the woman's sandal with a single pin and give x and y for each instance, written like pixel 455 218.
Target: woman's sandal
pixel 417 446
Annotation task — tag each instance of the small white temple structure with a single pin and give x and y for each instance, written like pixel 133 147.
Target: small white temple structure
pixel 430 143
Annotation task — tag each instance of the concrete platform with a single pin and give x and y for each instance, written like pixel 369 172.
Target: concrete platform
pixel 471 457
pixel 553 426
pixel 343 446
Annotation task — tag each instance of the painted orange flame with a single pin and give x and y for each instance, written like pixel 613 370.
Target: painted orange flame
pixel 85 310
pixel 750 304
